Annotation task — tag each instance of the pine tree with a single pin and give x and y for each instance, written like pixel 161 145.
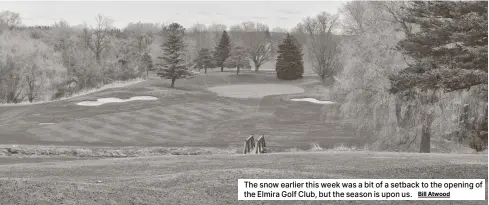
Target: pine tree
pixel 174 66
pixel 238 59
pixel 289 61
pixel 449 53
pixel 222 50
pixel 204 59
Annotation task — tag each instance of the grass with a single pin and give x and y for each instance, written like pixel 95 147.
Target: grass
pixel 104 152
pixel 60 163
pixel 212 179
pixel 34 151
pixel 255 90
pixel 189 115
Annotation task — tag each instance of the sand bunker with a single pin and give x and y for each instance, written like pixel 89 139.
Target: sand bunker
pixel 102 101
pixel 255 90
pixel 312 100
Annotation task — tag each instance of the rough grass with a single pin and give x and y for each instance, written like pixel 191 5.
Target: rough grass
pixel 212 179
pixel 116 84
pixel 115 152
pixel 138 151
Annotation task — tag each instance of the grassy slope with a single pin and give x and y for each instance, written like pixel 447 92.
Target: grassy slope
pixel 212 179
pixel 186 116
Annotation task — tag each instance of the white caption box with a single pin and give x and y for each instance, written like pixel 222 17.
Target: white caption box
pixel 361 189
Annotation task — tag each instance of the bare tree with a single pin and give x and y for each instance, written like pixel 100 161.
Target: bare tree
pixel 86 36
pixel 101 35
pixel 35 80
pixel 322 44
pixel 361 16
pixel 202 37
pixel 280 30
pixel 354 22
pixel 10 81
pixel 215 30
pixel 142 35
pixel 10 19
pixel 257 40
pixel 61 35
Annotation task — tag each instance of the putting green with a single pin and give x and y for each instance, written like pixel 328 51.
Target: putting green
pixel 255 90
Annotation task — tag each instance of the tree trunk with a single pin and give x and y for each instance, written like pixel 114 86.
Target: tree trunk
pixel 425 145
pixel 256 68
pixel 172 82
pixel 222 68
pixel 147 73
pixel 237 70
pixel 97 57
pixel 31 96
pixel 205 70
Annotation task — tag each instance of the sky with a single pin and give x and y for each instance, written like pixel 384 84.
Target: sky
pixel 285 14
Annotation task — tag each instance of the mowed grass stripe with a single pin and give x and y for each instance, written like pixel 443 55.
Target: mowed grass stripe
pixel 158 120
pixel 180 128
pixel 174 114
pixel 88 133
pixel 194 109
pixel 105 130
pixel 47 133
pixel 113 127
pixel 211 111
pixel 62 132
pixel 116 123
pixel 218 110
pixel 151 134
pixel 228 107
pixel 165 117
pixel 235 106
pixel 190 116
pixel 194 120
pixel 136 121
pixel 164 126
pixel 73 132
pixel 84 133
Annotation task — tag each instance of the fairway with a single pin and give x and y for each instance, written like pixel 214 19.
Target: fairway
pixel 192 114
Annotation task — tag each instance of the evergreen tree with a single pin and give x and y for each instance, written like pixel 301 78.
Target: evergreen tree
pixel 449 53
pixel 174 66
pixel 289 61
pixel 238 59
pixel 222 50
pixel 204 59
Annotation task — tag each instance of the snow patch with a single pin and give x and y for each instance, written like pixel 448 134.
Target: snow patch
pixel 312 100
pixel 46 123
pixel 102 101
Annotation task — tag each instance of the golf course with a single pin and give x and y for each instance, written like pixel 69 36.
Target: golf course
pixel 187 141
